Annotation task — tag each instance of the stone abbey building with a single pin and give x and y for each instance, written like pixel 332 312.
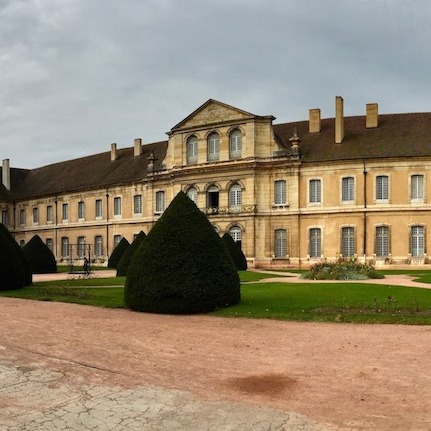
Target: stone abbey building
pixel 292 194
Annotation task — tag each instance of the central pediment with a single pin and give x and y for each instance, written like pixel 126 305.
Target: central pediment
pixel 210 113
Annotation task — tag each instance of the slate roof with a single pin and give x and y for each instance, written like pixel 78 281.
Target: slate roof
pixel 397 135
pixel 86 172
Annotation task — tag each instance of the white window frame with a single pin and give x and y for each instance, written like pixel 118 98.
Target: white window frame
pixel 35 215
pixel 280 195
pixel 280 243
pixel 49 242
pixel 117 239
pixel 235 144
pixel 417 188
pixel 65 212
pixel 65 249
pixel 81 247
pixel 236 233
pixel 348 189
pixel 117 206
pixel 192 194
pixel 235 196
pixel 213 147
pixel 192 150
pixel 81 210
pixel 160 201
pixel 98 209
pixel 98 246
pixel 315 242
pixel 137 204
pixel 22 216
pixel 315 191
pixel 383 241
pixel 348 241
pixel 49 214
pixel 382 188
pixel 417 240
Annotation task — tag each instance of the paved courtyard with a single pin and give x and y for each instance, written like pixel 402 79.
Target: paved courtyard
pixel 72 367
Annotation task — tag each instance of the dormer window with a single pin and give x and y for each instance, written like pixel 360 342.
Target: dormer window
pixel 213 147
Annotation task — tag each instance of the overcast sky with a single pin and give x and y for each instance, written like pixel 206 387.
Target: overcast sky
pixel 77 75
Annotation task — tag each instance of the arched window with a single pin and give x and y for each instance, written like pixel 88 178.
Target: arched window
pixel 213 199
pixel 213 147
pixel 236 233
pixel 235 144
pixel 235 197
pixel 192 149
pixel 192 193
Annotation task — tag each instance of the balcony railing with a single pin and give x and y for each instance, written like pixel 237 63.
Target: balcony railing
pixel 237 209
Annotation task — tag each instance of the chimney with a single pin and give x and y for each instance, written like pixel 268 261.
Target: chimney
pixel 138 147
pixel 113 152
pixel 314 120
pixel 372 119
pixel 6 174
pixel 339 120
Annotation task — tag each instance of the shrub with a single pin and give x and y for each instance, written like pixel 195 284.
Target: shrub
pixel 235 252
pixel 124 262
pixel 342 270
pixel 182 267
pixel 118 253
pixel 14 268
pixel 41 258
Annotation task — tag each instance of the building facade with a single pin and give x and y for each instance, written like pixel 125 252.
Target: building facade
pixel 291 194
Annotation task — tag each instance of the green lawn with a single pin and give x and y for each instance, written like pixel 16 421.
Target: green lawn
pixel 338 302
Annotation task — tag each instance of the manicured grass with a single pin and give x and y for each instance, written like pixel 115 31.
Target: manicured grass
pixel 66 268
pixel 321 302
pixel 248 276
pixel 338 302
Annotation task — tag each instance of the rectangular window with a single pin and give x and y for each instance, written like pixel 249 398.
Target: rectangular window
pixel 382 188
pixel 81 210
pixel 98 246
pixel 417 187
pixel 280 243
pixel 417 241
pixel 280 192
pixel 137 204
pixel 22 217
pixel 117 239
pixel 49 214
pixel 160 202
pixel 382 241
pixel 99 208
pixel 315 242
pixel 348 189
pixel 50 244
pixel 117 206
pixel 348 246
pixel 81 247
pixel 65 211
pixel 35 215
pixel 4 217
pixel 65 252
pixel 315 191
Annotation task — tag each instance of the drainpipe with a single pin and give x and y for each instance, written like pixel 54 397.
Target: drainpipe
pixel 107 223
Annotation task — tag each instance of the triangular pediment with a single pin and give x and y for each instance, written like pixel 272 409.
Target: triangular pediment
pixel 210 113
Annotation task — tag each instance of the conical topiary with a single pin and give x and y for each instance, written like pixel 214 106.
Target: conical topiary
pixel 125 260
pixel 28 276
pixel 235 252
pixel 182 266
pixel 118 253
pixel 13 273
pixel 41 258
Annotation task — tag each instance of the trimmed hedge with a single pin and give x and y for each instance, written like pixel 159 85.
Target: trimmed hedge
pixel 118 253
pixel 41 258
pixel 235 252
pixel 182 267
pixel 125 260
pixel 14 267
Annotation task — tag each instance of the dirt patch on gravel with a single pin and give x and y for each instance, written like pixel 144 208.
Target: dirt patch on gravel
pixel 359 377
